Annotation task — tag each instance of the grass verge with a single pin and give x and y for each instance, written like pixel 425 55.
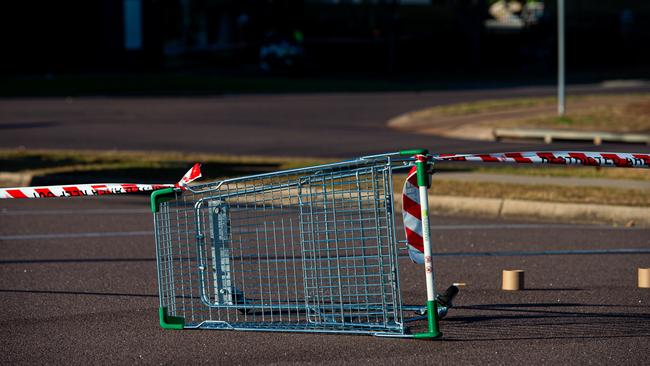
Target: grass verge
pixel 612 114
pixel 544 193
pixel 552 171
pixel 46 167
pixel 624 113
pixel 490 105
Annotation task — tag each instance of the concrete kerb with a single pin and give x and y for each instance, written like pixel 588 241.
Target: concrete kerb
pixel 551 211
pixel 611 214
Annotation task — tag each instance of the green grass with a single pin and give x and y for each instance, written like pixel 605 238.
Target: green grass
pixel 564 120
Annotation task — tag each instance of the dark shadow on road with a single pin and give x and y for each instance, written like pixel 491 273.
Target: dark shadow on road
pixel 555 289
pixel 154 174
pixel 514 307
pixel 90 293
pixel 545 321
pixel 24 125
pixel 82 260
pixel 500 339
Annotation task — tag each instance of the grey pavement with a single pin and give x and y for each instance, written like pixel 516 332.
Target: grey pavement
pixel 78 276
pixel 70 298
pixel 323 125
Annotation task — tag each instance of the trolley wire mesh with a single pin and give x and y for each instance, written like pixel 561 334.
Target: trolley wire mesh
pixel 306 250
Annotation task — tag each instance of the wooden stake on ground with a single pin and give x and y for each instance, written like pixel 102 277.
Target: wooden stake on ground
pixel 644 277
pixel 512 280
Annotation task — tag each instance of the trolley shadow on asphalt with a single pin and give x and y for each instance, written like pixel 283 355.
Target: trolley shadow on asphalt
pixel 556 289
pixel 542 313
pixel 545 321
pixel 514 307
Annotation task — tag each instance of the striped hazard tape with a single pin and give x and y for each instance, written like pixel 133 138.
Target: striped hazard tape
pixel 604 159
pixel 411 201
pixel 95 189
pixel 412 215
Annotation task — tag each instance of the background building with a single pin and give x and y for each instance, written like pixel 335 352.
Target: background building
pixel 381 36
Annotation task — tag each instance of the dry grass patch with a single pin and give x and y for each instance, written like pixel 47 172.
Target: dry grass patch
pixel 546 193
pixel 593 195
pixel 625 113
pixel 569 171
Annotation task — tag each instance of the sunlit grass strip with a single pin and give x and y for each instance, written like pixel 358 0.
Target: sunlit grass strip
pixel 544 193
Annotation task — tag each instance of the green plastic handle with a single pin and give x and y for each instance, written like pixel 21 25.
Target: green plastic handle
pixel 414 152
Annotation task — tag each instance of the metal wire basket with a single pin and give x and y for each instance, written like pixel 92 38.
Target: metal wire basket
pixel 308 250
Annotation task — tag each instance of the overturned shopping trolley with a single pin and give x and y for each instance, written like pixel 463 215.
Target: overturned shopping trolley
pixel 307 250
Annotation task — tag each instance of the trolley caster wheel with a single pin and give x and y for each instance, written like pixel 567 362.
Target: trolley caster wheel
pixel 444 301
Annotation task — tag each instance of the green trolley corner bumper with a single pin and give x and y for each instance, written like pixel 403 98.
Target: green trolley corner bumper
pixel 159 196
pixel 166 321
pixel 170 322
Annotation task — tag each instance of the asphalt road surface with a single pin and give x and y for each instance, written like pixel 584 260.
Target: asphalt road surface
pixel 78 275
pixel 323 125
pixel 78 286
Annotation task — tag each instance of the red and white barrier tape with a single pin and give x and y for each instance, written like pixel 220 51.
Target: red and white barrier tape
pixel 411 210
pixel 412 215
pixel 604 159
pixel 95 189
pixel 193 174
